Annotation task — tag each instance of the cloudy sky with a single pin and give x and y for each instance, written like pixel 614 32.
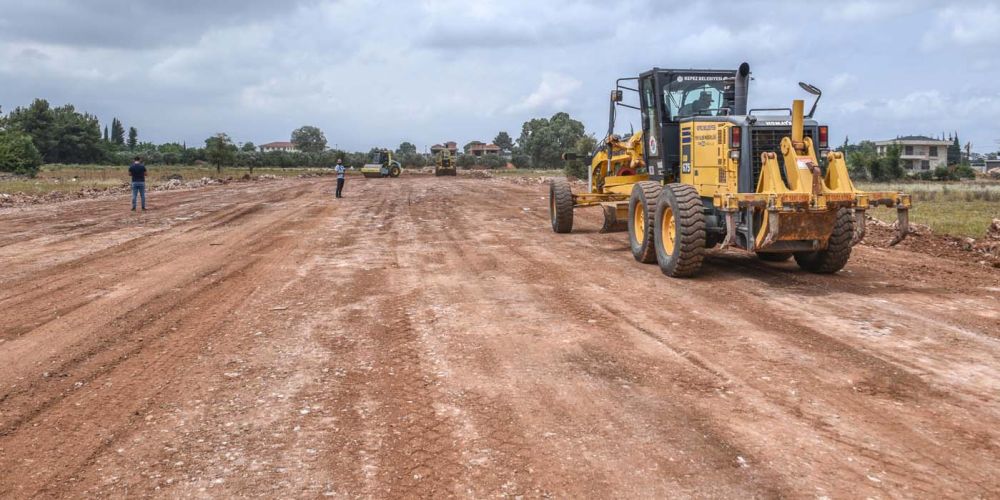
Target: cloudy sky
pixel 375 73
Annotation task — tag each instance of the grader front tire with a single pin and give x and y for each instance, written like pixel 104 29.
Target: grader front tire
pixel 641 206
pixel 838 250
pixel 679 231
pixel 561 205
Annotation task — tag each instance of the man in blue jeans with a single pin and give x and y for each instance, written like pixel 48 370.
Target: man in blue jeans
pixel 340 177
pixel 138 173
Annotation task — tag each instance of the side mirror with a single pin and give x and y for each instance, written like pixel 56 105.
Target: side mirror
pixel 812 89
pixel 617 95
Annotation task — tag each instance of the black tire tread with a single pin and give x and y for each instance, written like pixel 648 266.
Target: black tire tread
pixel 691 232
pixel 838 250
pixel 562 219
pixel 645 253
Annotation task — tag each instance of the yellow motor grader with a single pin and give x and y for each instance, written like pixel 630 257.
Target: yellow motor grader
pixel 705 171
pixel 445 164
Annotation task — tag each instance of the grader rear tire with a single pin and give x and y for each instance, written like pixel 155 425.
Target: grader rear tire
pixel 838 250
pixel 641 206
pixel 679 231
pixel 561 205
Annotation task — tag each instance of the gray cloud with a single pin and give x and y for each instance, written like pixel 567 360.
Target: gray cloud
pixel 379 72
pixel 129 24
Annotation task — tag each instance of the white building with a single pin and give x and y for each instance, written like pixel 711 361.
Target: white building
pixel 918 153
pixel 278 146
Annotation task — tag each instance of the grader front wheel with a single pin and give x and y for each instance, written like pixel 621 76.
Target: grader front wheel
pixel 679 231
pixel 838 250
pixel 641 206
pixel 561 205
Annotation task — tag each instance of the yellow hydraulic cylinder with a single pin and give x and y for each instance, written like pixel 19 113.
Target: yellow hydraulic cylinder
pixel 797 113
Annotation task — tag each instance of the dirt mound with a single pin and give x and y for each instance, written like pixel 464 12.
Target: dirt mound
pixel 922 239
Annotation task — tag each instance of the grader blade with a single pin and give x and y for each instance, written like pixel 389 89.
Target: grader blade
pixel 615 217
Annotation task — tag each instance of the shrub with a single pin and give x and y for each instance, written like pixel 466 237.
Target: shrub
pixel 466 161
pixel 18 154
pixel 576 168
pixel 521 160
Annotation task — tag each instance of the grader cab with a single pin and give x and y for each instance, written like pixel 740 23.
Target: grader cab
pixel 705 171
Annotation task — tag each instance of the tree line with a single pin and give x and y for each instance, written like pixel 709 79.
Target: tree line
pixel 40 133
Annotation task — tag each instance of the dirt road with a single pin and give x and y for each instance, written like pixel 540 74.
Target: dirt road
pixel 433 337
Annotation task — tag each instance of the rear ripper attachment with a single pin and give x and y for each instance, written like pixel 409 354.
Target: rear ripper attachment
pixel 800 210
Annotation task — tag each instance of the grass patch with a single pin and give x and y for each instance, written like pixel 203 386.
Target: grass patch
pixel 71 178
pixel 954 208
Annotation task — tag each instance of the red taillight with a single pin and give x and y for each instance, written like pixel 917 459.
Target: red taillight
pixel 735 136
pixel 824 137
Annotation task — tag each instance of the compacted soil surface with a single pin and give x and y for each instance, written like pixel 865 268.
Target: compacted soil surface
pixel 432 337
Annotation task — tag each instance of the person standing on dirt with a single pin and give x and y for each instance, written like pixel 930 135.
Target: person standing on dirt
pixel 138 173
pixel 341 174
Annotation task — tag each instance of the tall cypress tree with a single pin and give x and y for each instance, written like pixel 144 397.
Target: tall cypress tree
pixel 106 136
pixel 133 138
pixel 117 132
pixel 955 151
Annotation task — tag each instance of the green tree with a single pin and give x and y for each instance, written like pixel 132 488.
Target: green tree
pixel 220 151
pixel 504 141
pixel 78 137
pixel 117 132
pixel 546 139
pixel 248 147
pixel 859 158
pixel 309 139
pixel 954 152
pixel 406 148
pixel 583 148
pixel 18 153
pixel 38 121
pixel 106 137
pixel 133 138
pixel 250 159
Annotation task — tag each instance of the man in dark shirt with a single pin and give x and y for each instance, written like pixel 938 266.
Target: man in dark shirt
pixel 138 173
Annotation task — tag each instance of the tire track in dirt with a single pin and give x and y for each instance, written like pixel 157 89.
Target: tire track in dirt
pixel 883 374
pixel 159 324
pixel 435 339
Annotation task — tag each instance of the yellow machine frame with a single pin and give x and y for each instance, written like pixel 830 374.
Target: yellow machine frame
pixel 794 216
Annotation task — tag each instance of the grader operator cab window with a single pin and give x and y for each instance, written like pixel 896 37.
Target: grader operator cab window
pixel 694 98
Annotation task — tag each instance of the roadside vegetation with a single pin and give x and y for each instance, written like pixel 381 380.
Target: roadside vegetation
pixel 963 209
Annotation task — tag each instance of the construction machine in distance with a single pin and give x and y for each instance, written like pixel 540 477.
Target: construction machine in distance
pixel 381 164
pixel 444 164
pixel 704 171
